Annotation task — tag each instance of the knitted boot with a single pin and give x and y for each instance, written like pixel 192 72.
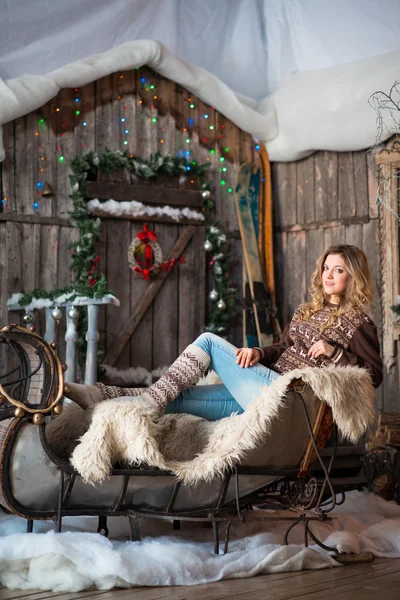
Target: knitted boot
pixel 113 391
pixel 184 372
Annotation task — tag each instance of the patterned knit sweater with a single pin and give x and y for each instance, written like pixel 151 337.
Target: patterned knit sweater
pixel 354 336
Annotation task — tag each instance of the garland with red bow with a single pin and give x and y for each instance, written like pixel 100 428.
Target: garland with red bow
pixel 145 255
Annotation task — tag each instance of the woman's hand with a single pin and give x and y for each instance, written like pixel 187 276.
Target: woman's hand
pixel 247 357
pixel 321 348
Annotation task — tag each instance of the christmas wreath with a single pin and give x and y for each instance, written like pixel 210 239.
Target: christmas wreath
pixel 145 255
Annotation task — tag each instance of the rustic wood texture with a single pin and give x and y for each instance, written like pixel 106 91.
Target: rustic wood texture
pixel 120 344
pixel 330 198
pixel 356 582
pixel 123 112
pixel 323 199
pixel 390 270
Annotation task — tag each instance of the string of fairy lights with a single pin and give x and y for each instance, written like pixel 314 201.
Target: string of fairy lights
pixel 41 135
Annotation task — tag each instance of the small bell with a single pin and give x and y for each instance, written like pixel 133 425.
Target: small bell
pixel 47 189
pixel 206 194
pixel 208 246
pixel 28 317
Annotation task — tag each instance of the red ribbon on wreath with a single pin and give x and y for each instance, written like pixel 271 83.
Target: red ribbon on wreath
pixel 153 259
pixel 146 236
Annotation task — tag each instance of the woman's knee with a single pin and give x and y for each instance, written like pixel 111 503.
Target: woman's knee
pixel 206 339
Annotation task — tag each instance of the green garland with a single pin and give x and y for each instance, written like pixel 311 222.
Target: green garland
pixel 88 280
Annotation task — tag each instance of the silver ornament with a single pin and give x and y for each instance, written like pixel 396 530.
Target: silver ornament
pixel 56 313
pixel 73 313
pixel 208 246
pixel 27 318
pixel 213 295
pixel 221 305
pixel 206 194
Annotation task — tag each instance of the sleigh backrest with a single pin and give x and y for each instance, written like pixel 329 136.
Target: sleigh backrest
pixel 32 381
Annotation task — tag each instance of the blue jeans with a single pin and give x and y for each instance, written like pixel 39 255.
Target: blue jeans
pixel 239 385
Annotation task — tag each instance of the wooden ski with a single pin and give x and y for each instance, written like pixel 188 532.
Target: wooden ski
pixel 258 329
pixel 266 234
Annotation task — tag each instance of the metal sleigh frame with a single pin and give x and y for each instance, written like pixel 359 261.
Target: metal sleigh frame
pixel 307 499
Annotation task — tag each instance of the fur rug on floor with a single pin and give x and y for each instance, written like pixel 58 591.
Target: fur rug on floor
pixel 123 430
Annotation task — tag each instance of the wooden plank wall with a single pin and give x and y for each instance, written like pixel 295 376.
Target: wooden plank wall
pixel 327 198
pixel 151 114
pixel 324 199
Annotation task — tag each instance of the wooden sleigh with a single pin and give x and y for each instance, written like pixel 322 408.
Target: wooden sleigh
pixel 37 484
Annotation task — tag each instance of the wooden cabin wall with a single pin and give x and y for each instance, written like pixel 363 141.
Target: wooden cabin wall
pixel 327 198
pixel 158 115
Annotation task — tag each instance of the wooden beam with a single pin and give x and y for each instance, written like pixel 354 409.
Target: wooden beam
pixel 147 298
pixel 388 157
pixel 21 218
pixel 153 218
pixel 147 194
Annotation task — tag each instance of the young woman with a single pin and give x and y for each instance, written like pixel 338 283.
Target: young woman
pixel 330 330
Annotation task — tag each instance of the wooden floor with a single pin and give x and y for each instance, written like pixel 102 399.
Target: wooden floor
pixel 377 581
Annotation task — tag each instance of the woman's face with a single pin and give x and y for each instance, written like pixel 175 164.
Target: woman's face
pixel 335 277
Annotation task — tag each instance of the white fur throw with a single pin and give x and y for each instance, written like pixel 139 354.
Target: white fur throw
pixel 123 430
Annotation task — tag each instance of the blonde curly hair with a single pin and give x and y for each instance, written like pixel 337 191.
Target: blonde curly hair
pixel 358 292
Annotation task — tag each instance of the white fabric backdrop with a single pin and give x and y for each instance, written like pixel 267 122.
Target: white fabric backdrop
pixel 252 46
